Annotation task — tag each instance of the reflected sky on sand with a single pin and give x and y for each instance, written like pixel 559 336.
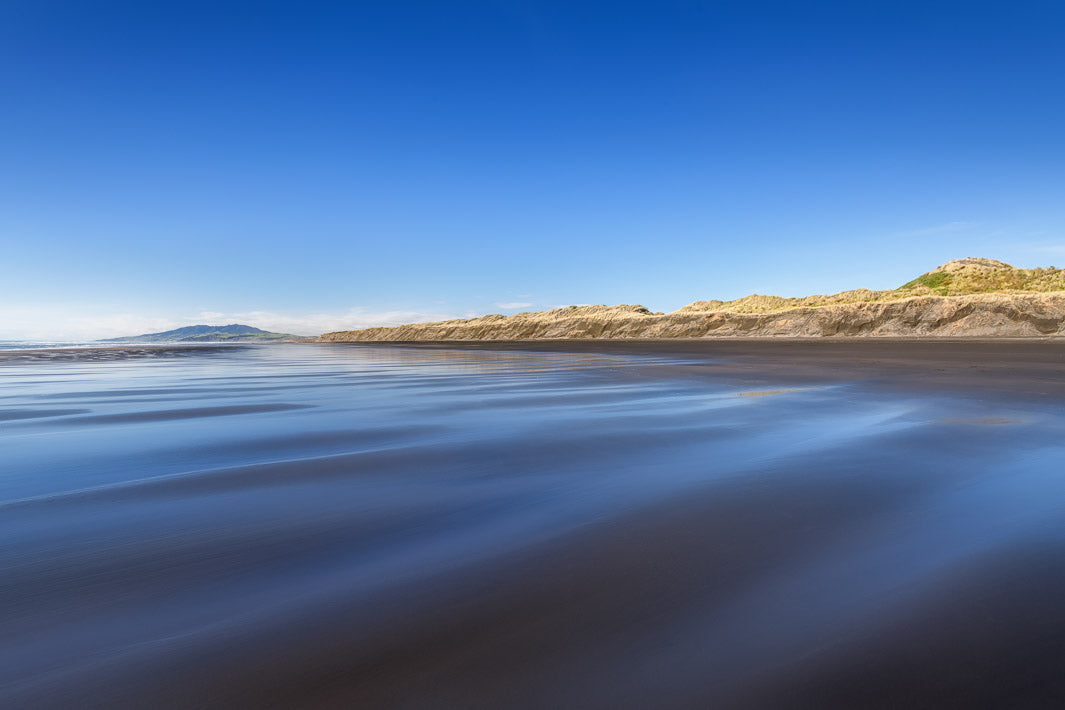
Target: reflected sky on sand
pixel 332 526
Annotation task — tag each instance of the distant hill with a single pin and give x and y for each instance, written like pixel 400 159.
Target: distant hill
pixel 967 297
pixel 233 333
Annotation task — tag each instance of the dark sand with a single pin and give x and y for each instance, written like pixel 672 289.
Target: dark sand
pixel 1018 366
pixel 910 566
pixel 108 353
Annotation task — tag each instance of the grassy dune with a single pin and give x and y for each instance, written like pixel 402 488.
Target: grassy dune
pixel 961 277
pixel 967 297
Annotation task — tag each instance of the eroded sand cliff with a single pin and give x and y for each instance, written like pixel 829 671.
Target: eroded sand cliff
pixel 1010 303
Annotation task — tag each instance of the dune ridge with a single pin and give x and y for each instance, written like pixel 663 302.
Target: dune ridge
pixel 963 298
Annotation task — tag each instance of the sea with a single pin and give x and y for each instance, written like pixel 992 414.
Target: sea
pixel 315 525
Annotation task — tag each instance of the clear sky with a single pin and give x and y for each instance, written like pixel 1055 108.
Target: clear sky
pixel 308 166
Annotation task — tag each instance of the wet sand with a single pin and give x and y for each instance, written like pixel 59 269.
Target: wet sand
pixel 593 525
pixel 107 353
pixel 1021 366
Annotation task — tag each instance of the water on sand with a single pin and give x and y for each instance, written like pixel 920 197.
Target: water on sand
pixel 333 526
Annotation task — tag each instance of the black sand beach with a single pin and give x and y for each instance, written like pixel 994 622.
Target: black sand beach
pixel 1032 366
pixel 569 524
pixel 1022 366
pixel 106 353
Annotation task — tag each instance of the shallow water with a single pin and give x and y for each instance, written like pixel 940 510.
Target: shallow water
pixel 335 526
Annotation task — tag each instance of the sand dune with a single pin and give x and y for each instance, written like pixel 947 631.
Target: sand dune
pixel 963 298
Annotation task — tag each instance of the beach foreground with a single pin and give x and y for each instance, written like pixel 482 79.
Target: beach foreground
pixel 597 524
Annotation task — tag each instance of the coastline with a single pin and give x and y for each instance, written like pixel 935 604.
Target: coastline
pixel 990 315
pixel 1030 367
pixel 103 353
pixel 1017 366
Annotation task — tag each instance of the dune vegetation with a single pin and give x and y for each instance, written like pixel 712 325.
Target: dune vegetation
pixel 966 297
pixel 961 277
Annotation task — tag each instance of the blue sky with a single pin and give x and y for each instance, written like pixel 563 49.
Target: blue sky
pixel 312 166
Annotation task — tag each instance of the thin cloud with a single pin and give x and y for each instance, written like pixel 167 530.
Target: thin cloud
pixel 318 323
pixel 955 226
pixel 60 324
pixel 512 305
pixel 56 323
pixel 1049 249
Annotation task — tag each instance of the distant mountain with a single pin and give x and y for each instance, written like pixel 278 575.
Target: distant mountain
pixel 207 333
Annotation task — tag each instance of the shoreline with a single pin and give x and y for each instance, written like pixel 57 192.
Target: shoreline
pixel 989 314
pixel 1019 366
pixel 105 353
